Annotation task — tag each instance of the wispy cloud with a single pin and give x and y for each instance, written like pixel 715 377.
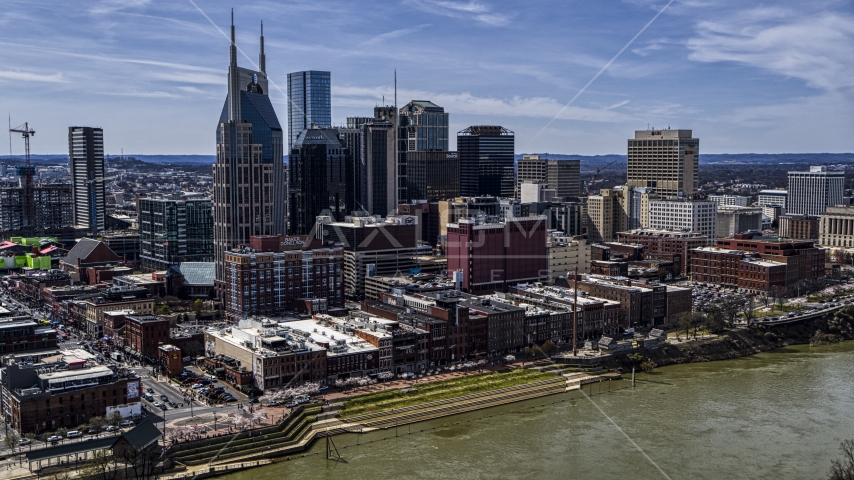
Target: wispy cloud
pixel 31 77
pixel 469 104
pixel 394 34
pixel 157 94
pixel 479 12
pixel 816 48
pixel 190 77
pixel 111 6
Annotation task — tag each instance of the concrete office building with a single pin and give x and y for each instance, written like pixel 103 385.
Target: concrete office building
pixel 372 246
pixel 802 227
pixel 772 197
pixel 729 200
pixel 732 220
pixel 664 160
pixel 249 178
pixel 688 215
pixel 810 193
pixel 86 167
pixel 836 228
pixel 309 102
pixel 567 254
pixel 486 161
pixel 563 176
pixel 174 229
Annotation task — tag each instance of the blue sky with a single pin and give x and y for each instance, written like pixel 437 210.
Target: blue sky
pixel 745 76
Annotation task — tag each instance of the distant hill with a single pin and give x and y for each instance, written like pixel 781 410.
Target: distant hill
pixel 588 162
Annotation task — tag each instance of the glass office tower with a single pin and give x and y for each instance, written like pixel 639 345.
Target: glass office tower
pixel 309 102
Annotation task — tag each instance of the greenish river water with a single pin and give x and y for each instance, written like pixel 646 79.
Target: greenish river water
pixel 775 415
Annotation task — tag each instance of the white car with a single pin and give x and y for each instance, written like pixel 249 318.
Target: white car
pixel 73 434
pixel 24 441
pixel 54 438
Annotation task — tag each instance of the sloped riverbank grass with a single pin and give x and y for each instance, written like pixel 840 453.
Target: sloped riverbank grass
pixel 441 390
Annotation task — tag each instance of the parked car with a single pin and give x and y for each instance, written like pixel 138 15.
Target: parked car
pixel 163 406
pixel 292 405
pixel 173 404
pixel 54 438
pixel 73 434
pixel 127 423
pixel 24 441
pixel 149 390
pixel 273 404
pixel 164 398
pixel 110 428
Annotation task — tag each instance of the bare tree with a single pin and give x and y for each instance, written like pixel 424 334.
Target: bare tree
pixel 730 309
pixel 141 462
pixel 102 466
pixel 11 440
pixel 748 308
pixel 844 469
pixel 684 321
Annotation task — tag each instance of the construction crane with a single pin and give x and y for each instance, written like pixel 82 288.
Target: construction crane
pixel 29 220
pixel 598 170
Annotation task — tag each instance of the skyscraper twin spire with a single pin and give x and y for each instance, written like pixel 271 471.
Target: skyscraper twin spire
pixel 262 60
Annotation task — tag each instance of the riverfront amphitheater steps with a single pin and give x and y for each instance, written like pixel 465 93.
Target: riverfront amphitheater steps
pixel 453 406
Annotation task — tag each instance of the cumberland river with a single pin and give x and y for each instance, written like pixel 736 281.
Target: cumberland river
pixel 778 415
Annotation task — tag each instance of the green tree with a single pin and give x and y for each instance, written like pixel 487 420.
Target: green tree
pixel 98 423
pixel 648 366
pixel 198 305
pixel 548 347
pixel 715 321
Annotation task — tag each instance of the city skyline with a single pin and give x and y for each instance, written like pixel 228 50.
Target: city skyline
pixel 745 79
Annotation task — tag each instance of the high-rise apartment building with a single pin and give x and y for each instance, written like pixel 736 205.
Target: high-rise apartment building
pixel 665 160
pixel 86 165
pixel 274 274
pixel 423 127
pixel 610 212
pixel 563 176
pixel 486 161
pixel 810 193
pixel 685 215
pixel 249 178
pixel 309 102
pixel 50 208
pixel 322 178
pixel 174 229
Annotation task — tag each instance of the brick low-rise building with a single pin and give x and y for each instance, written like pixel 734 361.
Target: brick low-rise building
pixel 17 336
pixel 668 245
pixel 738 269
pixel 42 398
pixel 144 334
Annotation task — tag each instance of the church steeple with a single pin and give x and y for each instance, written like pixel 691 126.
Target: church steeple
pixel 262 61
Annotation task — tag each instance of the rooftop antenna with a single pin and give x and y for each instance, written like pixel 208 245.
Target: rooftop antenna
pixel 10 134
